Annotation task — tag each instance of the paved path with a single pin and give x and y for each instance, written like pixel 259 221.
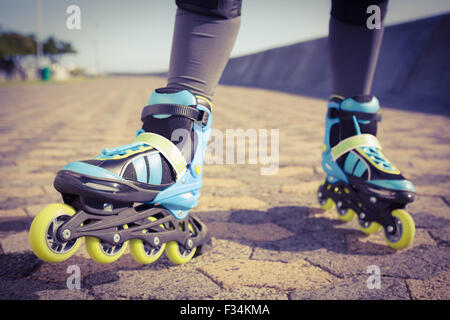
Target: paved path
pixel 270 239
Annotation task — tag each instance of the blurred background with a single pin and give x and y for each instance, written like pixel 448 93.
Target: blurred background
pixel 39 40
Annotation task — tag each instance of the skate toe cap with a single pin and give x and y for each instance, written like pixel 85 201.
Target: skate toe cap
pixel 398 185
pixel 90 170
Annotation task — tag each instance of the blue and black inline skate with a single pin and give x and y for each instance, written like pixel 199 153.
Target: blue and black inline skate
pixel 138 194
pixel 361 182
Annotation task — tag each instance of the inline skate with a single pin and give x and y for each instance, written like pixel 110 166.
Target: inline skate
pixel 137 195
pixel 361 182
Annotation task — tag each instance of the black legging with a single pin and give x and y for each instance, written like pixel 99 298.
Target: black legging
pixel 206 30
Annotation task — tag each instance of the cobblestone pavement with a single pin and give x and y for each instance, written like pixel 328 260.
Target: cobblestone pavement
pixel 270 239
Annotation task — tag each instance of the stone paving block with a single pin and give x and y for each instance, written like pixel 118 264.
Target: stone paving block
pixel 36 178
pixel 42 200
pixel 223 250
pixel 317 223
pixel 303 188
pixel 6 148
pixel 57 272
pixel 273 214
pixel 33 210
pixel 251 293
pixel 25 289
pixel 433 190
pixel 429 212
pixel 356 288
pixel 279 275
pixel 24 192
pixel 26 164
pixel 13 226
pixel 207 216
pixel 54 153
pixel 50 189
pixel 292 171
pixel 256 232
pixel 309 159
pixel 304 245
pixel 159 285
pixel 422 167
pixel 428 261
pixel 64 294
pixel 435 288
pixel 375 243
pixel 211 203
pixel 222 183
pixel 441 236
pixel 446 199
pixel 18 241
pixel 18 212
pixel 17 264
pixel 316 212
pixel 215 169
pixel 10 171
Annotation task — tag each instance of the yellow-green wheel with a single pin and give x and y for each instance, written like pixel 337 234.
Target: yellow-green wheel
pixel 43 230
pixel 346 214
pixel 327 205
pixel 103 252
pixel 176 253
pixel 143 252
pixel 405 230
pixel 369 227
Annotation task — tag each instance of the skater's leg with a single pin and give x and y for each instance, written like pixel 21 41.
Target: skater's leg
pixel 354 50
pixel 353 46
pixel 203 38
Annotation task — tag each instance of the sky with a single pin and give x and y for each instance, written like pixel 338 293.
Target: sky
pixel 136 35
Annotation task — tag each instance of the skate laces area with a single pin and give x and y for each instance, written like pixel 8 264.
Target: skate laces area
pixel 378 158
pixel 109 153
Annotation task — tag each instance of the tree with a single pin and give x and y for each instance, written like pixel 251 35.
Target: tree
pixel 54 48
pixel 14 46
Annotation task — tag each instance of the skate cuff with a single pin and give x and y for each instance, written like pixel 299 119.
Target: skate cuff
pixel 360 140
pixel 190 112
pixel 167 149
pixel 343 114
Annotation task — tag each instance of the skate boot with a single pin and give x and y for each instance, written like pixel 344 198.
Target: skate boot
pixel 361 182
pixel 138 194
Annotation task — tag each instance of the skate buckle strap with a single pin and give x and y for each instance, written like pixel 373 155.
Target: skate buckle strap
pixel 167 149
pixel 188 111
pixel 360 140
pixel 343 114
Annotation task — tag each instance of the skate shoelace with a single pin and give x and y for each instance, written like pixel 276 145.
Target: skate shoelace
pixel 378 158
pixel 120 151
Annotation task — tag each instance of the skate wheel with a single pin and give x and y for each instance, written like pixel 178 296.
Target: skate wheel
pixel 143 252
pixel 405 230
pixel 42 235
pixel 178 254
pixel 369 227
pixel 327 205
pixel 346 214
pixel 103 252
